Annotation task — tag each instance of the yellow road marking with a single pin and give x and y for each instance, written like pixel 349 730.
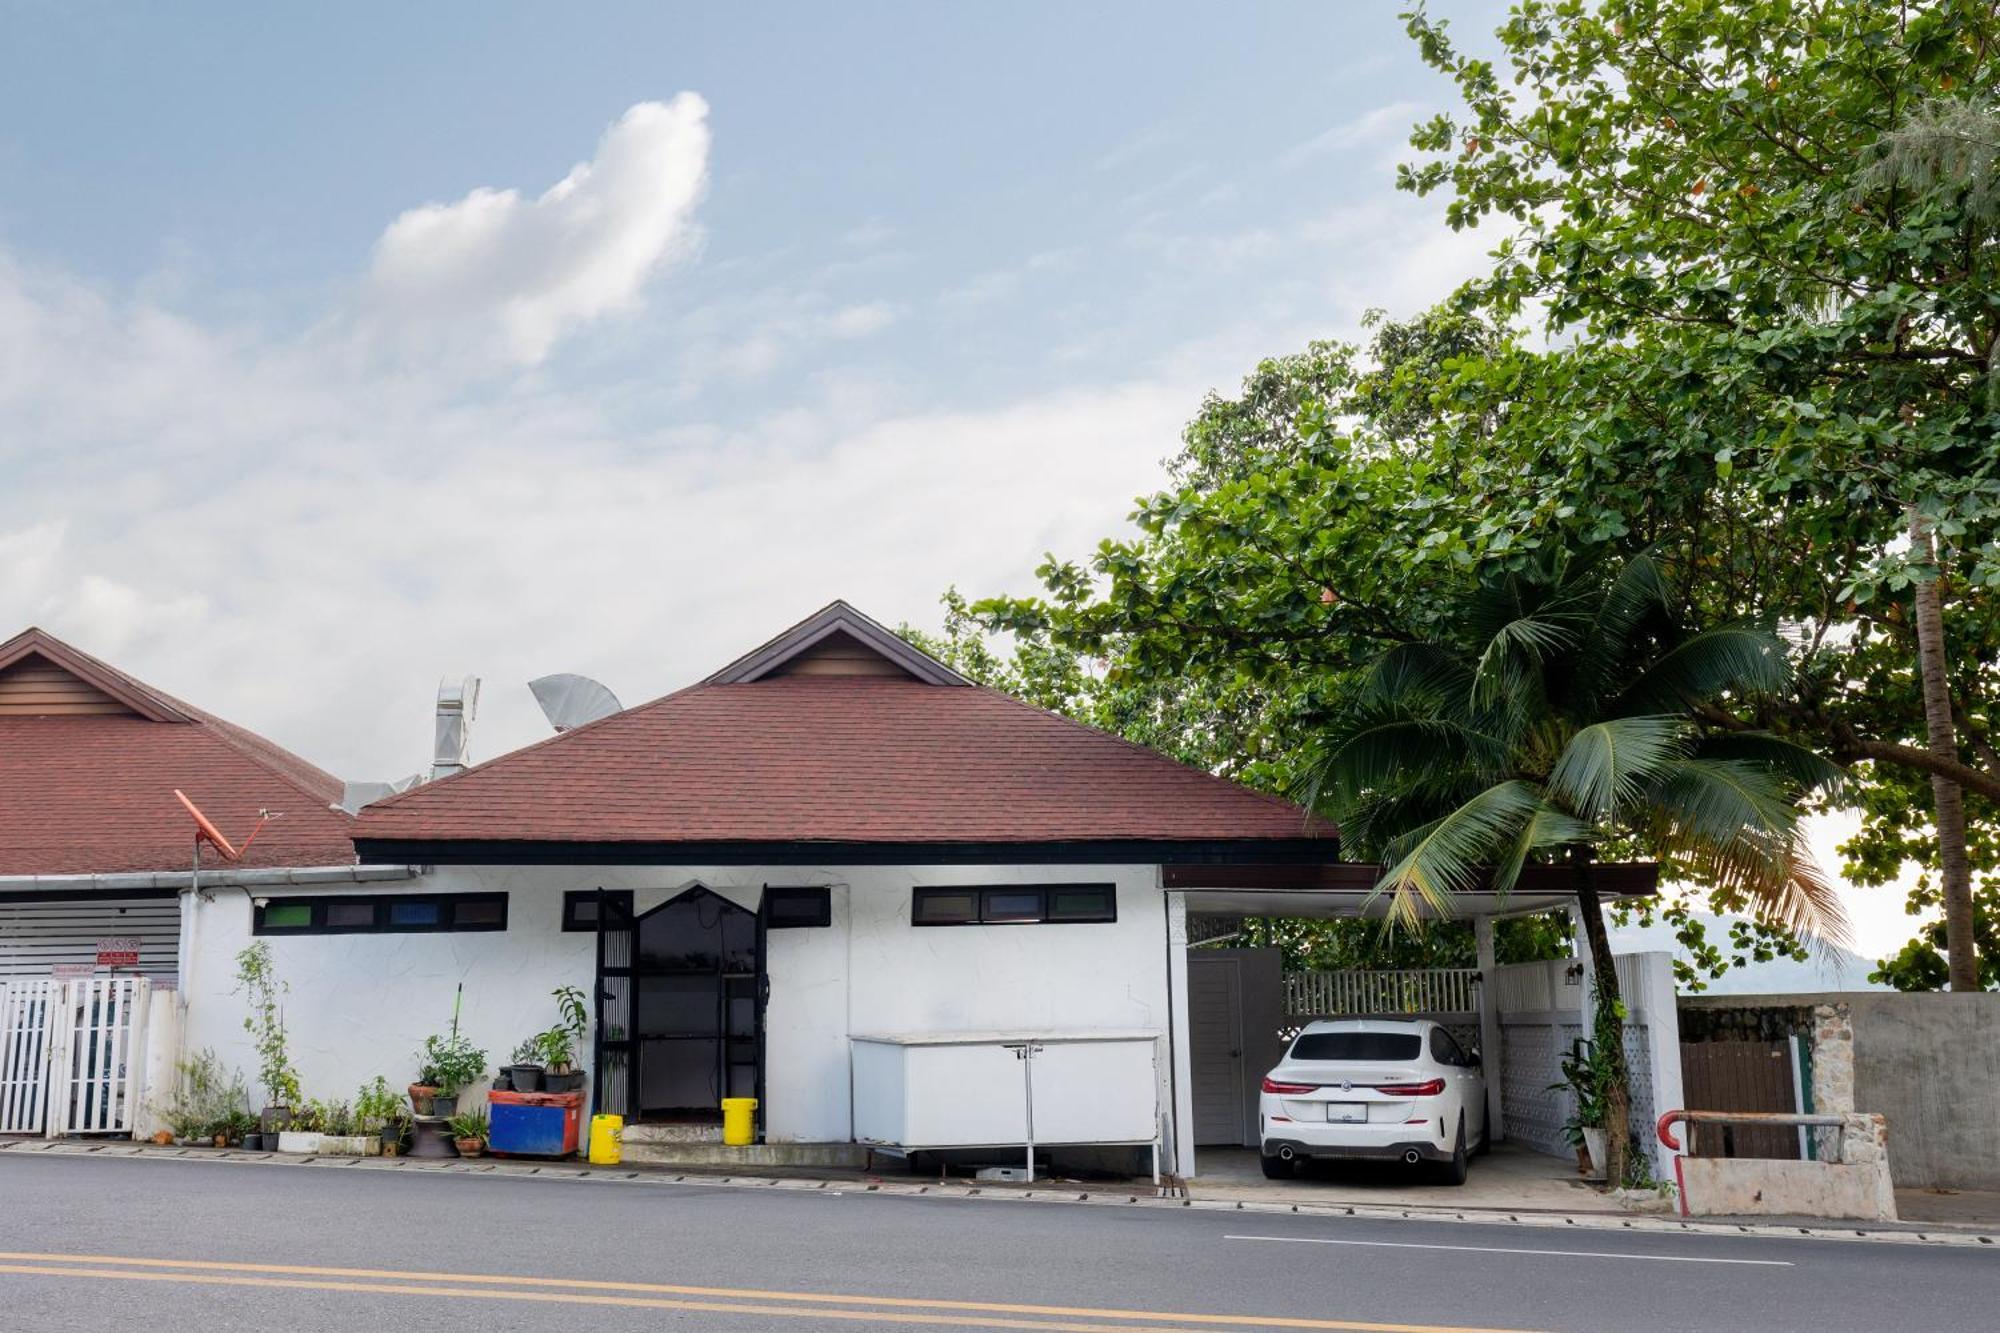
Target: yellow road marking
pixel 400 1283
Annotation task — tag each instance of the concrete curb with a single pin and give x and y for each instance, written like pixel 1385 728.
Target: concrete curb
pixel 1913 1234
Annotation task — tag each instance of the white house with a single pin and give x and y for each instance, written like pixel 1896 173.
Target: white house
pixel 834 876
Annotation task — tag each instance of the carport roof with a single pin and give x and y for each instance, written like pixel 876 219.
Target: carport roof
pixel 1348 890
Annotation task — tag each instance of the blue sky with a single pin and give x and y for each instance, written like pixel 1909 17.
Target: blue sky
pixel 347 348
pixel 306 409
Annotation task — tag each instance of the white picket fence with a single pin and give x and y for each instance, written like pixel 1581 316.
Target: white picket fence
pixel 1384 991
pixel 73 1054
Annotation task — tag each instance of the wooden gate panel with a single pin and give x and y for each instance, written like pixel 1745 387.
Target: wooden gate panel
pixel 1739 1076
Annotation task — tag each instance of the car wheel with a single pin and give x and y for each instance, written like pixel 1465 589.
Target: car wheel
pixel 1276 1168
pixel 1453 1172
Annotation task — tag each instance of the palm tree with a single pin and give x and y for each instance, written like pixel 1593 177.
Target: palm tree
pixel 1560 717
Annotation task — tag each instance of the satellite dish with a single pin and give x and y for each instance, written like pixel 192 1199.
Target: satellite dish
pixel 570 701
pixel 206 831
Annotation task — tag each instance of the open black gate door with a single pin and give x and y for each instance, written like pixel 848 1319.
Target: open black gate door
pixel 612 1051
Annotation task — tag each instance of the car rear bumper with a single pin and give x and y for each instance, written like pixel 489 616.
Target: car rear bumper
pixel 1398 1150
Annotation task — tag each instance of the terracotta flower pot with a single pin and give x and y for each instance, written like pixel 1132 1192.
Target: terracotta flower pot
pixel 473 1147
pixel 163 1137
pixel 422 1097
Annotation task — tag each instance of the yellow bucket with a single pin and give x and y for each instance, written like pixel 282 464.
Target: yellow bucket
pixel 739 1121
pixel 607 1139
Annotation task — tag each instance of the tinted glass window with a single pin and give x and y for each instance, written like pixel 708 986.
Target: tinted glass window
pixel 806 906
pixel 413 912
pixel 478 912
pixel 1357 1046
pixel 1003 905
pixel 937 907
pixel 1090 904
pixel 1444 1050
pixel 287 916
pixel 348 914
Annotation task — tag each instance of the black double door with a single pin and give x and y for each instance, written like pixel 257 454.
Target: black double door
pixel 686 1008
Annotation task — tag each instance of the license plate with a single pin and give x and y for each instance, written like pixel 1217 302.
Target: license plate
pixel 1347 1113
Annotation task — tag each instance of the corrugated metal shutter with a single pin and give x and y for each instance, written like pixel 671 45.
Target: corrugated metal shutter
pixel 35 936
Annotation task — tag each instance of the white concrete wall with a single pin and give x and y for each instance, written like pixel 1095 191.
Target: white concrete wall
pixel 360 1005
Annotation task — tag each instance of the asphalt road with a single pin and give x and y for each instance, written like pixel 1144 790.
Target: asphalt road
pixel 94 1244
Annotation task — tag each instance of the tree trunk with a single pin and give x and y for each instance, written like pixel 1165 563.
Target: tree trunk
pixel 1607 1034
pixel 1947 798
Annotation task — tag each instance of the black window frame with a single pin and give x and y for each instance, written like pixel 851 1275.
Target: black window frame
pixel 982 894
pixel 380 924
pixel 617 903
pixel 816 896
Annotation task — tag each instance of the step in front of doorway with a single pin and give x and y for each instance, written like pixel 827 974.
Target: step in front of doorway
pixel 644 1145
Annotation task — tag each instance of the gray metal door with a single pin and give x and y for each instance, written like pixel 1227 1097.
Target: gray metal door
pixel 1215 1050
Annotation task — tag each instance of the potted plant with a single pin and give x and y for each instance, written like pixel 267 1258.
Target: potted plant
pixel 560 1044
pixel 468 1133
pixel 378 1112
pixel 341 1134
pixel 1586 1077
pixel 451 1063
pixel 257 980
pixel 207 1100
pixel 302 1132
pixel 525 1069
pixel 237 1130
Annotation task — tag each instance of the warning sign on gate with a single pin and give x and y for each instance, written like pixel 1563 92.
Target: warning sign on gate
pixel 118 951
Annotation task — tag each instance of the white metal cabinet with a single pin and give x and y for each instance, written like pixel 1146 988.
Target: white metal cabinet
pixel 928 1090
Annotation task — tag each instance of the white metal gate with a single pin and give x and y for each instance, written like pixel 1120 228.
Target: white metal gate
pixel 72 1055
pixel 27 1012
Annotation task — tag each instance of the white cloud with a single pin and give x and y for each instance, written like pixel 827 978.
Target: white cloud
pixel 499 274
pixel 1370 127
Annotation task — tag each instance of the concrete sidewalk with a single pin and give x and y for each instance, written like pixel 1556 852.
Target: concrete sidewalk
pixel 1508 1179
pixel 1299 1201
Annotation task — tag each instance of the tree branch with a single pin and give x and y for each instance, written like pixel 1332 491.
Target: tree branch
pixel 1909 756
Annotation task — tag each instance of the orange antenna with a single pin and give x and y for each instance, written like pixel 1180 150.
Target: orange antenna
pixel 205 829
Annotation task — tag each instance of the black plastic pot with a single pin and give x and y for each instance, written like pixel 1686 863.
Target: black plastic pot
pixel 569 1082
pixel 253 1143
pixel 274 1119
pixel 444 1106
pixel 527 1078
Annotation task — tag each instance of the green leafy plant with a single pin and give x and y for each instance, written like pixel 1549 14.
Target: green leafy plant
pixel 1587 1078
pixel 529 1052
pixel 450 1062
pixel 257 979
pixel 235 1126
pixel 556 1049
pixel 206 1097
pixel 308 1117
pixel 469 1125
pixel 374 1105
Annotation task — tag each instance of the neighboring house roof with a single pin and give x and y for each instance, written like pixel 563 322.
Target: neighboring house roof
pixel 825 739
pixel 90 758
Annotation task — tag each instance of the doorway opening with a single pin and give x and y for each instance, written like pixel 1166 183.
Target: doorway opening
pixel 695 989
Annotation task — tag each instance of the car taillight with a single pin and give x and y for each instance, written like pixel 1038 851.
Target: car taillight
pixel 1429 1089
pixel 1293 1089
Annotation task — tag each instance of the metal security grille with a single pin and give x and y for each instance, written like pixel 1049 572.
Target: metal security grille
pixel 36 937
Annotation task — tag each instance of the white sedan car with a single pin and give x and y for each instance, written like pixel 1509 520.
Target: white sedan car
pixel 1386 1089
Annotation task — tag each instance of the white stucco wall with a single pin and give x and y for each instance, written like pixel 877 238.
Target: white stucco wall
pixel 360 1005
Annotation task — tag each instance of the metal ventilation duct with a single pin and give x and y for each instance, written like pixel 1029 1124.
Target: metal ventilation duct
pixel 457 705
pixel 570 701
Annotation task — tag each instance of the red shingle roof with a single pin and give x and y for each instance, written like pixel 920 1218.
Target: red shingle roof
pixel 93 794
pixel 835 759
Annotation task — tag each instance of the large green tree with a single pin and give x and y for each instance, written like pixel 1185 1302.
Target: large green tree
pixel 1560 713
pixel 1760 237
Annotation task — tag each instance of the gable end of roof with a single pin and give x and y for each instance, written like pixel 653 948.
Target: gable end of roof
pixel 815 631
